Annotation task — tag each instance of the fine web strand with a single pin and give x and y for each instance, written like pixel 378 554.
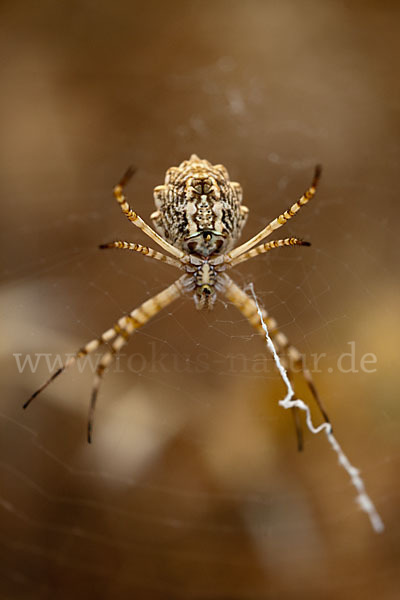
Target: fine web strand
pixel 362 498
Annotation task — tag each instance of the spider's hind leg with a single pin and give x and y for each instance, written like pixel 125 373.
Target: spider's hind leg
pixel 291 356
pixel 297 360
pixel 299 430
pixel 127 326
pixel 118 336
pixel 294 410
pixel 90 347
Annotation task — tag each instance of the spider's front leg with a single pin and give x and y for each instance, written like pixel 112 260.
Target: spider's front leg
pixel 138 221
pixel 117 336
pixel 279 221
pixel 248 308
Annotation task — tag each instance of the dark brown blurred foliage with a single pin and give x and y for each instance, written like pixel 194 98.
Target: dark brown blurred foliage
pixel 193 487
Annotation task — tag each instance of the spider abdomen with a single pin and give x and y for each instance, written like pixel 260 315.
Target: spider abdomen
pixel 199 210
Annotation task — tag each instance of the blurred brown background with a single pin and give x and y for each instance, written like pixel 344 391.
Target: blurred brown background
pixel 193 487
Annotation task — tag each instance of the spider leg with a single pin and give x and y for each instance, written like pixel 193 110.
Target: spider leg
pixel 299 430
pixel 119 335
pixel 262 248
pixel 248 308
pixel 128 325
pixel 145 250
pixel 138 221
pixel 297 359
pixel 90 347
pixel 279 221
pixel 294 410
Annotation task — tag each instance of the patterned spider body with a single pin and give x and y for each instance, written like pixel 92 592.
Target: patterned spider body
pixel 199 210
pixel 204 276
pixel 199 219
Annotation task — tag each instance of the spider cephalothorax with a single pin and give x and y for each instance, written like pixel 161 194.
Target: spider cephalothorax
pixel 199 209
pixel 205 278
pixel 199 219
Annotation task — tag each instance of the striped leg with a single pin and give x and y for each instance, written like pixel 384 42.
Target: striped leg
pixel 248 308
pixel 118 335
pixel 145 250
pixel 279 221
pixel 90 347
pixel 295 411
pixel 127 326
pixel 138 221
pixel 263 248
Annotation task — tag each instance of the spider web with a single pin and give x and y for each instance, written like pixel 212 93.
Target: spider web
pixel 193 486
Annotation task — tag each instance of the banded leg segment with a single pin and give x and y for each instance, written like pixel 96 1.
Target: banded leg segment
pixel 127 326
pixel 281 220
pixel 90 347
pixel 138 221
pixel 248 308
pixel 263 248
pixel 118 336
pixel 145 250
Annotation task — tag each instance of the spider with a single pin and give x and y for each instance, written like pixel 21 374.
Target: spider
pixel 198 221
